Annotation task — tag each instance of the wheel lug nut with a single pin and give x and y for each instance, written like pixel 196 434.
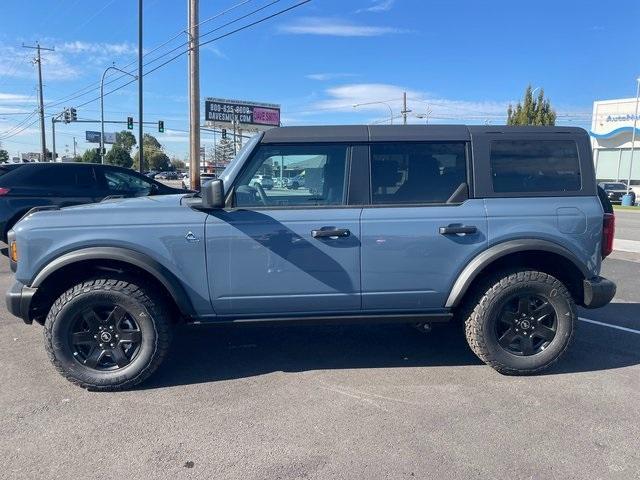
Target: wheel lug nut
pixel 113 345
pixel 95 336
pixel 111 327
pixel 101 345
pixel 117 336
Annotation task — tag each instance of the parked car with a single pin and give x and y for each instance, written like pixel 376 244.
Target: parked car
pixel 498 228
pixel 265 181
pixel 27 185
pixel 616 190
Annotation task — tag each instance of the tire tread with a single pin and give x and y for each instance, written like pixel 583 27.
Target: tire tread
pixel 155 307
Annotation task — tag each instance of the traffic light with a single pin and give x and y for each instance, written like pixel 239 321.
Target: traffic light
pixel 73 114
pixel 66 116
pixel 224 133
pixel 130 123
pixel 161 126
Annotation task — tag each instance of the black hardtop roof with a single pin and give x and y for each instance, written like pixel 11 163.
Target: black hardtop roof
pixel 386 133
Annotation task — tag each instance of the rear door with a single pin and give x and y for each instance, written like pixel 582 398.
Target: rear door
pixel 420 226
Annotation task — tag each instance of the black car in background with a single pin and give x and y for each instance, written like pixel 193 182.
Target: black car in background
pixel 615 191
pixel 27 185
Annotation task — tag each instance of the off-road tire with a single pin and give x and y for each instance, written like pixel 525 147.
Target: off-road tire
pixel 482 308
pixel 151 315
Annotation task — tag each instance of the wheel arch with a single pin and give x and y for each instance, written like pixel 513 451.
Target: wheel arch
pixel 541 255
pixel 90 261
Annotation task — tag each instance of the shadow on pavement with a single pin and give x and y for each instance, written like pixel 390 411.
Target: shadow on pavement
pixel 207 354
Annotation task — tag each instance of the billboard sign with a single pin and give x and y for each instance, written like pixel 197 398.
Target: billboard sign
pixel 244 114
pixel 94 137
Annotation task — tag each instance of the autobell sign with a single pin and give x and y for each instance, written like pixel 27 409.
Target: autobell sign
pixel 94 137
pixel 223 111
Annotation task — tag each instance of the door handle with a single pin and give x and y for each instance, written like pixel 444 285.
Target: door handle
pixel 458 229
pixel 326 232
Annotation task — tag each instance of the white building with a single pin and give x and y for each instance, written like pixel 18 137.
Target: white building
pixel 611 133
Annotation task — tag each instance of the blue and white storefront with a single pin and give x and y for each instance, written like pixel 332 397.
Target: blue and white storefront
pixel 611 136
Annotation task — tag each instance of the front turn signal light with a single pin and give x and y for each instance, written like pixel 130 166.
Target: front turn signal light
pixel 13 252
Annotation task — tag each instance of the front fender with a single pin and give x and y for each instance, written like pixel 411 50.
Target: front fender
pixel 140 260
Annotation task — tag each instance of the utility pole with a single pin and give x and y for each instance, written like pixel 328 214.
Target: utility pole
pixel 404 108
pixel 194 96
pixel 38 60
pixel 53 138
pixel 74 148
pixel 140 117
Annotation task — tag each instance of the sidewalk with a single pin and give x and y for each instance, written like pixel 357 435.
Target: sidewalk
pixel 622 245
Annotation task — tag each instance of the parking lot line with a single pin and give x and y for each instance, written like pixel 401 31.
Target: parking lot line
pixel 624 329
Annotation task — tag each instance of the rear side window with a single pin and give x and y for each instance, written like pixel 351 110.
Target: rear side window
pixel 530 166
pixel 52 176
pixel 406 173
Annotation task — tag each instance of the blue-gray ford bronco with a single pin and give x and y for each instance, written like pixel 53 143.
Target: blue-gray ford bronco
pixel 499 228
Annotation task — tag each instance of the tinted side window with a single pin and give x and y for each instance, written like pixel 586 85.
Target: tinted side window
pixel 55 176
pixel 293 175
pixel 534 166
pixel 123 182
pixel 48 176
pixel 416 172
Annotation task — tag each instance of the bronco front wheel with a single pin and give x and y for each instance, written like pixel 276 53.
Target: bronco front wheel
pixel 107 334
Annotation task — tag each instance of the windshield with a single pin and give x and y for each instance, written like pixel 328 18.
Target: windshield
pixel 615 186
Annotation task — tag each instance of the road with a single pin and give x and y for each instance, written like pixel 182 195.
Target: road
pixel 382 401
pixel 628 224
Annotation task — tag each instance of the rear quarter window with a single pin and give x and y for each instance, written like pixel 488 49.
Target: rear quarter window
pixel 531 166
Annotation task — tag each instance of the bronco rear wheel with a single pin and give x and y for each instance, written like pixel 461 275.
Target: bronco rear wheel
pixel 107 334
pixel 521 322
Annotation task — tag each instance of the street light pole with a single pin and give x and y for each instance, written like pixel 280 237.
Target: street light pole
pixel 140 98
pixel 112 67
pixel 377 103
pixel 633 134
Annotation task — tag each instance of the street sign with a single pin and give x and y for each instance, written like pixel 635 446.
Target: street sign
pixel 245 114
pixel 94 137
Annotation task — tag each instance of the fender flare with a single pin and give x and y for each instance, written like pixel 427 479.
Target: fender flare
pixel 125 255
pixel 493 253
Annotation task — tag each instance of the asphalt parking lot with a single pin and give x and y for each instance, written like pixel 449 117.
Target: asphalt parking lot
pixel 383 401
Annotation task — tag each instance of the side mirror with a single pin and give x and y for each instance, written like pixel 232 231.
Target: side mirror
pixel 212 194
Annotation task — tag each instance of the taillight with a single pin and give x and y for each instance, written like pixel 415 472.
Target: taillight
pixel 4 191
pixel 608 232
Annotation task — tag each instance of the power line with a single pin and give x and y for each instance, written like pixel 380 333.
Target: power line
pixel 86 90
pixel 175 57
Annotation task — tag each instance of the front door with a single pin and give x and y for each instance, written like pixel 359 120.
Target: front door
pixel 420 229
pixel 283 250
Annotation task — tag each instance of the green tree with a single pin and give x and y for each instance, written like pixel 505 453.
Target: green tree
pixel 126 140
pixel 4 156
pixel 159 161
pixel 531 111
pixel 145 161
pixel 91 156
pixel 149 141
pixel 178 164
pixel 119 156
pixel 223 152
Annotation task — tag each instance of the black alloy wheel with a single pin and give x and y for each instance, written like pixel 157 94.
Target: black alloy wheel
pixel 526 324
pixel 105 338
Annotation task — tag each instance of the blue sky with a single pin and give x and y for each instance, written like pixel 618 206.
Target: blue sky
pixel 461 61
